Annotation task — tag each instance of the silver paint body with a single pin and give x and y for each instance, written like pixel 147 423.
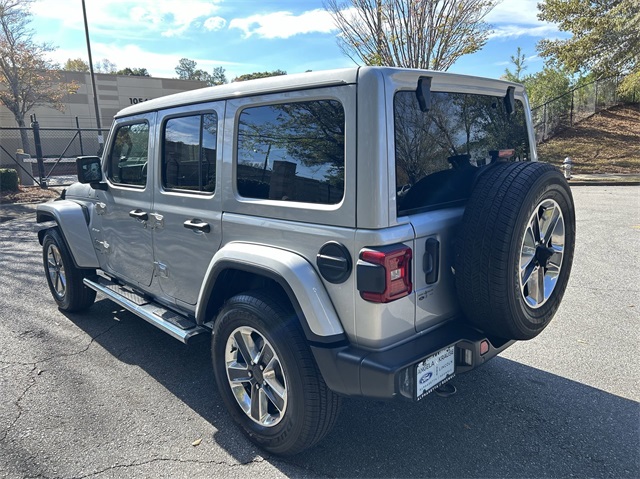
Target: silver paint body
pixel 172 264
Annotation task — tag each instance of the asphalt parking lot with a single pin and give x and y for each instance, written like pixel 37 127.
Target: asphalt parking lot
pixel 104 394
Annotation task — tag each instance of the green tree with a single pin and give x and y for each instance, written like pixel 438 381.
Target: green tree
pixel 27 78
pixel 254 75
pixel 105 66
pixel 136 72
pixel 547 84
pixel 430 34
pixel 76 65
pixel 605 37
pixel 518 60
pixel 219 76
pixel 186 69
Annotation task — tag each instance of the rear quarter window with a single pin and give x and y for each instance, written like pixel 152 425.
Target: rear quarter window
pixel 292 152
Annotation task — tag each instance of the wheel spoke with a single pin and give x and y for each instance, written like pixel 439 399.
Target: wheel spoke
pixel 258 404
pixel 528 248
pixel 276 397
pixel 527 272
pixel 539 290
pixel 237 372
pixel 246 346
pixel 534 224
pixel 548 221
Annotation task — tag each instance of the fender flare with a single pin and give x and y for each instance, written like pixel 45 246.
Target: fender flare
pixel 293 273
pixel 72 221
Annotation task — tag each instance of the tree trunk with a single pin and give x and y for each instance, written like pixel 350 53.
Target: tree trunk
pixel 24 137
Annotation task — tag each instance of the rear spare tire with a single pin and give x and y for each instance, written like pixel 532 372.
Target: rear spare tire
pixel 516 247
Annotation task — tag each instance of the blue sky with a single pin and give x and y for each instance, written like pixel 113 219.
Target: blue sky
pixel 245 36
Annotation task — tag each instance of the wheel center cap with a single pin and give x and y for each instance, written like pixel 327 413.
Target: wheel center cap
pixel 543 254
pixel 257 374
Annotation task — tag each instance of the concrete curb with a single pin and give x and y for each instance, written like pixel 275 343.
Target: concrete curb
pixel 604 183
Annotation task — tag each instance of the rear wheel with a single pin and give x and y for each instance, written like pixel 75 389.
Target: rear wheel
pixel 516 249
pixel 267 376
pixel 64 278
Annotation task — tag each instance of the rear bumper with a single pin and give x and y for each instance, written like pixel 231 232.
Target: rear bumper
pixel 391 373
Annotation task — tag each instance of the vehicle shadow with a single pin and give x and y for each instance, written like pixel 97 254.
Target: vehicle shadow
pixel 507 419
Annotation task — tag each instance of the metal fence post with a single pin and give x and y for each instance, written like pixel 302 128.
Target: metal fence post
pixel 79 136
pixel 36 139
pixel 544 122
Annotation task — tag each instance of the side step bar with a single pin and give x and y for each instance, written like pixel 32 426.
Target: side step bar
pixel 174 324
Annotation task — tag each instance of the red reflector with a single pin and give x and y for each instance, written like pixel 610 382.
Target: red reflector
pixel 484 347
pixel 396 262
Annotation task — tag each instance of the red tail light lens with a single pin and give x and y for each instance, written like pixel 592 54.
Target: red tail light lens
pixel 384 274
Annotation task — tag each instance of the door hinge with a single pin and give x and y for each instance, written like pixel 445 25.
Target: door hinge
pixel 101 208
pixel 160 270
pixel 156 220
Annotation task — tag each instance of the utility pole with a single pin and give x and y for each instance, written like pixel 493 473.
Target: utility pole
pixel 93 82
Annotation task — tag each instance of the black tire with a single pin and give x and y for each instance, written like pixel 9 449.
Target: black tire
pixel 507 204
pixel 63 277
pixel 310 409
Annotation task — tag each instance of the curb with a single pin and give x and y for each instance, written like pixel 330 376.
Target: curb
pixel 604 183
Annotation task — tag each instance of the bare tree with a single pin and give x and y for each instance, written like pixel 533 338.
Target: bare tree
pixel 428 34
pixel 27 78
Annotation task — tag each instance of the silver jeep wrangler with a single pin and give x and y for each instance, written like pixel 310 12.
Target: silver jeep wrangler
pixel 359 232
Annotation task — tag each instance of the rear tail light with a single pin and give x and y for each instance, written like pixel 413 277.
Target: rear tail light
pixel 384 274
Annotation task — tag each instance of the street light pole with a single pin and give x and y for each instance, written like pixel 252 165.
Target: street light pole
pixel 93 82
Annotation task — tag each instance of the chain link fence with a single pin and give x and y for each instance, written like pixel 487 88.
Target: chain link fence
pixel 51 153
pixel 577 104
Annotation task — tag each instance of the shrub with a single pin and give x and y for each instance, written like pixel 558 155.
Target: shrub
pixel 8 179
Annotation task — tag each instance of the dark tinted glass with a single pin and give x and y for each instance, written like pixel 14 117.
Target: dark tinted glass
pixel 129 155
pixel 189 155
pixel 292 152
pixel 439 152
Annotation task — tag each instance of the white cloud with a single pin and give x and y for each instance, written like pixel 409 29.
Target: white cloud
pixel 522 12
pixel 516 31
pixel 214 23
pixel 285 24
pixel 130 19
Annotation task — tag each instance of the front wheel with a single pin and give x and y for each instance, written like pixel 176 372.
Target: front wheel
pixel 267 376
pixel 64 278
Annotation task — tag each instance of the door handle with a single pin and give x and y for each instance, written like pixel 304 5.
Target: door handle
pixel 139 215
pixel 197 225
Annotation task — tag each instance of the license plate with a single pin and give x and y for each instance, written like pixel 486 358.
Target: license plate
pixel 434 371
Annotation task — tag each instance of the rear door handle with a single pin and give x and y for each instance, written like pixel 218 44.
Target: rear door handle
pixel 139 215
pixel 197 225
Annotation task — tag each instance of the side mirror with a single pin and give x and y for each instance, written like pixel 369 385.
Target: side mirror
pixel 90 171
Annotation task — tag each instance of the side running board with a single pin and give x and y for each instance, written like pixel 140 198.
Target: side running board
pixel 174 324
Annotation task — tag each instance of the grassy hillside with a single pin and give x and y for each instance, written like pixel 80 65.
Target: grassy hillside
pixel 608 142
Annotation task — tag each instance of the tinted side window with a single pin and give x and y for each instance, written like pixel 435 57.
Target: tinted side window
pixel 189 153
pixel 292 152
pixel 439 152
pixel 129 155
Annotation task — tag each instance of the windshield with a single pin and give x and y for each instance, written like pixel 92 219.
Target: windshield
pixel 439 152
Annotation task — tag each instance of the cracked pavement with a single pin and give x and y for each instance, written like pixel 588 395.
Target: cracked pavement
pixel 104 394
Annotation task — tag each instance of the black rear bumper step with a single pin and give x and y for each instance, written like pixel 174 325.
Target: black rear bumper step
pixel 377 374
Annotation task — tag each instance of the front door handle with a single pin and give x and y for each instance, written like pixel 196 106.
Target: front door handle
pixel 139 215
pixel 197 225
